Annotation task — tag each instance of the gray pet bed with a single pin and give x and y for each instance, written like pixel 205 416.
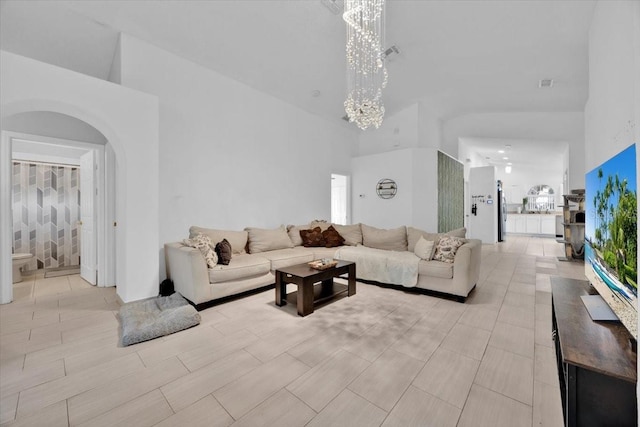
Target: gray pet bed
pixel 156 317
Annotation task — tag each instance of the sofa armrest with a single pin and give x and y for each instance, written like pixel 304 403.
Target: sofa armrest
pixel 188 270
pixel 466 264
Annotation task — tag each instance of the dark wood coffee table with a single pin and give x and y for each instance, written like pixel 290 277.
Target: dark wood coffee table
pixel 306 277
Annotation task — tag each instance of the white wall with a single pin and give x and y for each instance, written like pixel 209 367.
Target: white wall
pixel 231 156
pixel 55 125
pixel 484 225
pixel 129 121
pixel 418 125
pixel 430 127
pixel 398 131
pixel 612 113
pixel 614 80
pixel 416 201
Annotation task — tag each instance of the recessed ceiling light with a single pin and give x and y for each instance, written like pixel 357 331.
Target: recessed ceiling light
pixel 315 93
pixel 505 158
pixel 501 151
pixel 509 163
pixel 545 83
pixel 508 146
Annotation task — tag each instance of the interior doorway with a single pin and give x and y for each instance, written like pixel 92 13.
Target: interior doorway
pixel 94 229
pixel 340 208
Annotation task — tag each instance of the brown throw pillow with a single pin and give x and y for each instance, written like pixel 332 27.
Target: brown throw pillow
pixel 312 238
pixel 332 238
pixel 223 249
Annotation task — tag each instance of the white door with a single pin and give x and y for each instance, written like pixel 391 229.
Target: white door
pixel 87 217
pixel 339 199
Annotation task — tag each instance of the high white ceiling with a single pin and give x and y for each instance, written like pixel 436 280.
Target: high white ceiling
pixel 458 56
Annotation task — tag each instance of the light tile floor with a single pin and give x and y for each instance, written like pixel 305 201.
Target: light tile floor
pixel 381 357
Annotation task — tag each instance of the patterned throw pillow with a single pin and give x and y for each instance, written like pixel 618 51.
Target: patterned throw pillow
pixel 203 243
pixel 447 248
pixel 332 238
pixel 223 249
pixel 312 238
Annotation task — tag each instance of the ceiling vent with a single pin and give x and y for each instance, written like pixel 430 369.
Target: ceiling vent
pixel 335 6
pixel 545 83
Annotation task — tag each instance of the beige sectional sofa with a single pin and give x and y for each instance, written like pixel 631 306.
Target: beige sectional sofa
pixel 258 253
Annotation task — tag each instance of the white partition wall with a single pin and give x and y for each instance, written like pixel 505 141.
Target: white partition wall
pixel 132 133
pixel 483 224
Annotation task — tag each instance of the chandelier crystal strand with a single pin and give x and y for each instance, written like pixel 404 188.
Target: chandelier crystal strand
pixel 366 73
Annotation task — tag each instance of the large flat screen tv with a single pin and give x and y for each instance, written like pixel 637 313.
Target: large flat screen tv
pixel 611 235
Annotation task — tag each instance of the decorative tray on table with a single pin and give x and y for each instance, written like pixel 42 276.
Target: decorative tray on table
pixel 323 264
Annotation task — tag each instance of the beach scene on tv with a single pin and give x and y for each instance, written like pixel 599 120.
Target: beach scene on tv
pixel 611 235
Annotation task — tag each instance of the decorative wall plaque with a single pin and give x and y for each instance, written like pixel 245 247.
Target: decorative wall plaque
pixel 386 188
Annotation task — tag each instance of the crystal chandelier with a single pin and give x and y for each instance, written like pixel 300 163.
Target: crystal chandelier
pixel 366 73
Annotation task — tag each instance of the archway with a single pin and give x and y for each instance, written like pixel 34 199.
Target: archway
pixel 43 127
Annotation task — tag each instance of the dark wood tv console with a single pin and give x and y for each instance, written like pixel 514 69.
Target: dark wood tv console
pixel 596 364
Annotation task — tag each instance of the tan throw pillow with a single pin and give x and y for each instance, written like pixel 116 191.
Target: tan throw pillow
pixel 312 238
pixel 424 248
pixel 262 240
pixel 203 243
pixel 294 233
pixel 352 233
pixel 458 232
pixel 394 239
pixel 224 251
pixel 237 239
pixel 414 234
pixel 447 248
pixel 332 238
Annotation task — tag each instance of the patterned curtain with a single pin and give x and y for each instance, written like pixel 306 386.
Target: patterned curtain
pixel 450 193
pixel 46 211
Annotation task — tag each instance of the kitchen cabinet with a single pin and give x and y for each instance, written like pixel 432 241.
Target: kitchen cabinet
pixel 531 224
pixel 548 224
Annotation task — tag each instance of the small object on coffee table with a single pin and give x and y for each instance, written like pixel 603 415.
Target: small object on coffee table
pixel 323 264
pixel 305 277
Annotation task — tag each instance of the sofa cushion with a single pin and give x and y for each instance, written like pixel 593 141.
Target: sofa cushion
pixel 425 248
pixel 319 223
pixel 312 238
pixel 237 239
pixel 203 244
pixel 436 269
pixel 223 250
pixel 352 233
pixel 319 253
pixel 241 266
pixel 458 232
pixel 294 233
pixel 285 257
pixel 447 248
pixel 394 239
pixel 261 240
pixel 414 234
pixel 332 238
